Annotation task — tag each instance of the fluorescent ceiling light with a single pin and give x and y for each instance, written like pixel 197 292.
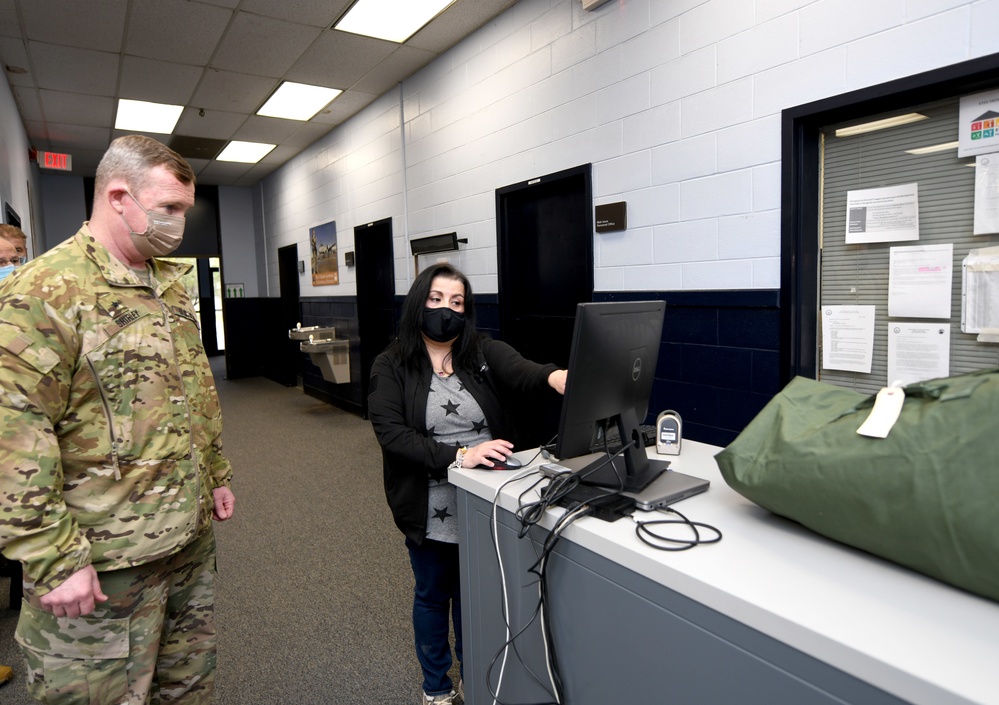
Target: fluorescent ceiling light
pixel 140 116
pixel 247 152
pixel 880 124
pixel 297 101
pixel 393 20
pixel 933 148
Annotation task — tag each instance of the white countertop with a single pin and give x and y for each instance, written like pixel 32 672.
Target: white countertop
pixel 910 635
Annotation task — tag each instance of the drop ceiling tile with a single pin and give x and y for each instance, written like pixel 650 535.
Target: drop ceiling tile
pixel 460 20
pixel 266 129
pixel 68 138
pixel 233 92
pixel 9 26
pixel 308 134
pixel 61 68
pixel 196 166
pixel 317 13
pixel 158 81
pixel 217 169
pixel 222 3
pixel 280 154
pixel 339 59
pixel 400 64
pixel 175 30
pixel 94 24
pixel 38 134
pixel 15 61
pixel 28 104
pixel 259 171
pixel 258 45
pixel 345 105
pixel 77 108
pixel 216 124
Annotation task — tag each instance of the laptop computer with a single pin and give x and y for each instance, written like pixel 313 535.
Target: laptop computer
pixel 667 489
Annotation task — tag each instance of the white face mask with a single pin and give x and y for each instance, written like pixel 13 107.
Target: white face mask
pixel 163 233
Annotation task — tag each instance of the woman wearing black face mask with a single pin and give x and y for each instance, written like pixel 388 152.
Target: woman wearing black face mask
pixel 439 398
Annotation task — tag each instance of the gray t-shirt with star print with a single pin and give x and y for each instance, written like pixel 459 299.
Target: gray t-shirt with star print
pixel 455 418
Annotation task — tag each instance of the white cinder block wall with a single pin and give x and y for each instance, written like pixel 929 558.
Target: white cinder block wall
pixel 676 103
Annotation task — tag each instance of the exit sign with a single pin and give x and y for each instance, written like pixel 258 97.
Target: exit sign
pixel 54 160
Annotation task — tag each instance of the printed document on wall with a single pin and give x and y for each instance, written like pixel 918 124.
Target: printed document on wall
pixel 848 338
pixel 919 281
pixel 980 292
pixel 917 352
pixel 986 194
pixel 889 214
pixel 977 123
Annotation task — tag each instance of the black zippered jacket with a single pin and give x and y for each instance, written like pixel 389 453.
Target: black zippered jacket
pixel 397 407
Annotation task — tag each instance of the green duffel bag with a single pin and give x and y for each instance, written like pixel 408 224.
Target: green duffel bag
pixel 927 496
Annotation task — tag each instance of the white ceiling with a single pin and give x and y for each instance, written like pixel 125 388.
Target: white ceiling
pixel 68 62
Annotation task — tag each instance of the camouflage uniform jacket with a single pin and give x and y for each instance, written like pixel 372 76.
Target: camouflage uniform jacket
pixel 110 427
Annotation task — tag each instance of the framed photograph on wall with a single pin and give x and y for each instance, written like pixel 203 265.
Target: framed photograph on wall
pixel 325 267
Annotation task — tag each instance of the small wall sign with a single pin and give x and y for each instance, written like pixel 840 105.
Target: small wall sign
pixel 612 216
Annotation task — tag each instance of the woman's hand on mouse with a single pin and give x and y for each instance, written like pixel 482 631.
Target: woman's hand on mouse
pixel 488 453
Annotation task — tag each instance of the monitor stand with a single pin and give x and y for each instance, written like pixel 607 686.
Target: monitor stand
pixel 594 469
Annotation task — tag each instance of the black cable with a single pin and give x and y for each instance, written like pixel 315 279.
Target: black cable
pixel 506 618
pixel 529 514
pixel 642 530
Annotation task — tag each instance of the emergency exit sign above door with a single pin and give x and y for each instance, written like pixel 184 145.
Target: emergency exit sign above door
pixel 54 160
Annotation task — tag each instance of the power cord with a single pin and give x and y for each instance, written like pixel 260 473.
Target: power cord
pixel 648 536
pixel 511 639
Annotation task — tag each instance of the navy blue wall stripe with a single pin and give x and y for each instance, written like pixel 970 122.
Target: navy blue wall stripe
pixel 718 362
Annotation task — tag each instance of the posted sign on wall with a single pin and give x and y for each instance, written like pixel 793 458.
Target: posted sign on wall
pixel 55 160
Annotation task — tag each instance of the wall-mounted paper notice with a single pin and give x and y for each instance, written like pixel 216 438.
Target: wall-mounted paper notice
pixel 980 293
pixel 848 338
pixel 918 351
pixel 889 214
pixel 977 123
pixel 919 281
pixel 986 194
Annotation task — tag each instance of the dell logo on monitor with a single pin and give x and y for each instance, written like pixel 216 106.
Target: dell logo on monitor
pixel 636 369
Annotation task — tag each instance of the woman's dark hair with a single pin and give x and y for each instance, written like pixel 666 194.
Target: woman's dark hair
pixel 411 343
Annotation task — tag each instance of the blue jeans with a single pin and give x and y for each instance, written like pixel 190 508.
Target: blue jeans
pixel 437 592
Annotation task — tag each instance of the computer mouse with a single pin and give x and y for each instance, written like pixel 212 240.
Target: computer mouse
pixel 510 463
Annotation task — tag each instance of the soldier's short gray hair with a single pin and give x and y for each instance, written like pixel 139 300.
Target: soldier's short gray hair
pixel 132 157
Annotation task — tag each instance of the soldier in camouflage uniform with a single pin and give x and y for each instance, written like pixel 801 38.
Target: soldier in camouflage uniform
pixel 111 468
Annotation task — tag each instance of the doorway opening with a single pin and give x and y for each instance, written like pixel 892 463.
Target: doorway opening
pixel 375 273
pixel 204 285
pixel 544 244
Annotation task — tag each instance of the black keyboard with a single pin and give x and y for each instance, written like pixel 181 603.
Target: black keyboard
pixel 614 438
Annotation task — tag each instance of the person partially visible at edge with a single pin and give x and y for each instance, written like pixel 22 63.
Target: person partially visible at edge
pixel 16 237
pixel 442 396
pixel 9 259
pixel 111 466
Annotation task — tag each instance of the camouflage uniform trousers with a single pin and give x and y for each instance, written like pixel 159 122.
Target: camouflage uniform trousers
pixel 153 641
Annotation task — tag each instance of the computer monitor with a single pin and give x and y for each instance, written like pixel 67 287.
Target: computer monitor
pixel 612 365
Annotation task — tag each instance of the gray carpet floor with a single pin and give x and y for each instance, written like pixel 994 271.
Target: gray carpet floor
pixel 314 591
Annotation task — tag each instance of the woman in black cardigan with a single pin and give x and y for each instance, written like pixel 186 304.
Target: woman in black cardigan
pixel 436 401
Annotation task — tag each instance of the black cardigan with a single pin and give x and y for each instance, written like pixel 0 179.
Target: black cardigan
pixel 397 406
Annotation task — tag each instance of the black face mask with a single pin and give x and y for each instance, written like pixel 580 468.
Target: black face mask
pixel 442 324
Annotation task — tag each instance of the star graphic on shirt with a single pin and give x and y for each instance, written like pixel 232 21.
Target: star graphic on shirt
pixel 441 514
pixel 431 431
pixel 479 426
pixel 450 408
